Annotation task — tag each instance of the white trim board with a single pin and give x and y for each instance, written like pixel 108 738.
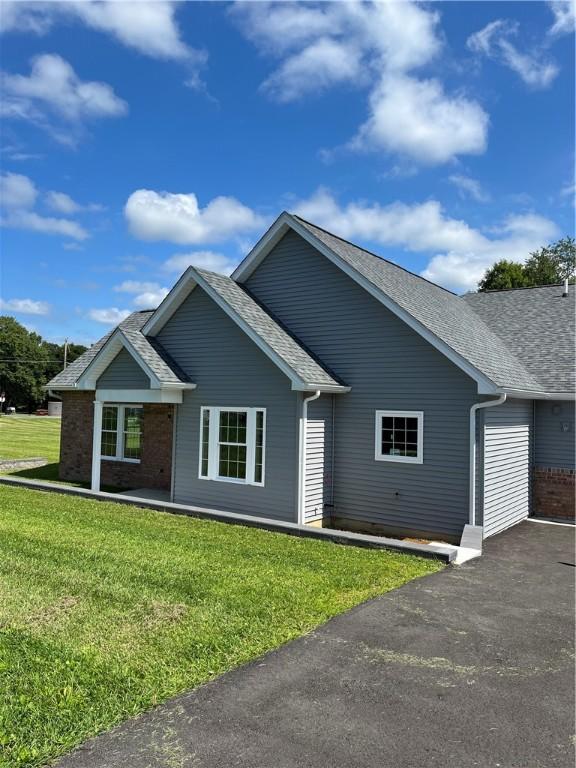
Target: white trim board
pixel 139 395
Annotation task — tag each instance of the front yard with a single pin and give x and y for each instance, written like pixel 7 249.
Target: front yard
pixel 22 437
pixel 106 610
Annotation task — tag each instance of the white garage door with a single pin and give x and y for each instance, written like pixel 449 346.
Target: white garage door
pixel 507 462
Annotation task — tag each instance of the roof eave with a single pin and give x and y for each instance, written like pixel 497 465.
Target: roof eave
pixel 529 394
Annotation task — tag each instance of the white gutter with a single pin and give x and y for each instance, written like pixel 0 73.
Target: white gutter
pixel 302 455
pixel 472 470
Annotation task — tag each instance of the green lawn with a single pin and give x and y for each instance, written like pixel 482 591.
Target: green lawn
pixel 106 610
pixel 22 437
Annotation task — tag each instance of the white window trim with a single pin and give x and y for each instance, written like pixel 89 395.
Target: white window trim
pixel 379 456
pixel 120 407
pixel 213 445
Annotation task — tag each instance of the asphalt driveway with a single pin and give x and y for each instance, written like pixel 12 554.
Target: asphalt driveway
pixel 469 667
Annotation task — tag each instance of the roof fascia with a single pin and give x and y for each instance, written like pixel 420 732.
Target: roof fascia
pixel 181 290
pixel 525 394
pixel 285 221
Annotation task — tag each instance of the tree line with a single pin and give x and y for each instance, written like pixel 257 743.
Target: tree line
pixel 27 363
pixel 547 266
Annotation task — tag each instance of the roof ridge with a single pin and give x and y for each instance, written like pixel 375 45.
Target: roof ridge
pixel 375 255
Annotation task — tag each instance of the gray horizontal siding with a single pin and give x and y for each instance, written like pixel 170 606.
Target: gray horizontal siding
pixel 123 373
pixel 229 370
pixel 318 457
pixel 388 366
pixel 507 464
pixel 554 434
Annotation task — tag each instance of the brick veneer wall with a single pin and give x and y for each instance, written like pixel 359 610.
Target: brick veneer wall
pixel 554 492
pixel 153 471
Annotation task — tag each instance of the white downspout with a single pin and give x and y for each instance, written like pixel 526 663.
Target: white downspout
pixel 472 493
pixel 302 466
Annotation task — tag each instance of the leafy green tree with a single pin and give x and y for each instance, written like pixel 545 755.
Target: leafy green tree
pixel 27 363
pixel 552 264
pixel 22 364
pixel 547 266
pixel 503 274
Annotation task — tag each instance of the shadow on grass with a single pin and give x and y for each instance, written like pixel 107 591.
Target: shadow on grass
pixel 50 473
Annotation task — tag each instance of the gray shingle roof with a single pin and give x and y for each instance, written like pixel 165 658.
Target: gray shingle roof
pixel 149 350
pixel 538 326
pixel 275 337
pixel 446 315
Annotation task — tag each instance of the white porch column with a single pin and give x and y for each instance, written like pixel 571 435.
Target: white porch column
pixel 96 445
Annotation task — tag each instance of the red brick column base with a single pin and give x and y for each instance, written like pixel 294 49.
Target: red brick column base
pixel 153 471
pixel 554 492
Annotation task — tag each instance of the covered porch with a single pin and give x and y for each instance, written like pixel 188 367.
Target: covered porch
pixel 132 441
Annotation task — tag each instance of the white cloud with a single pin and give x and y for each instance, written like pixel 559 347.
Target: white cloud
pixel 460 253
pixel 148 27
pixel 374 45
pixel 56 100
pixel 147 294
pixel 46 224
pixel 493 41
pixel 17 191
pixel 417 119
pixel 54 84
pixel 322 64
pixel 18 195
pixel 215 262
pixel 109 316
pixel 25 306
pixel 469 187
pixel 63 203
pixel 564 12
pixel 178 218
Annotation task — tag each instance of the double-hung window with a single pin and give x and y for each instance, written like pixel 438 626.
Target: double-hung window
pixel 122 432
pixel 232 444
pixel 400 436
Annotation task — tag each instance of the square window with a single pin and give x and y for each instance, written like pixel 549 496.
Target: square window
pixel 399 436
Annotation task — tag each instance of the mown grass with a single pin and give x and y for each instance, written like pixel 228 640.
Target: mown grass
pixel 23 437
pixel 106 610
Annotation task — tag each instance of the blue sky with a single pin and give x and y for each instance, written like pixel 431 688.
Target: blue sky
pixel 139 138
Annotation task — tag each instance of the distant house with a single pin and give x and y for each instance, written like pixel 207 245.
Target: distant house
pixel 323 385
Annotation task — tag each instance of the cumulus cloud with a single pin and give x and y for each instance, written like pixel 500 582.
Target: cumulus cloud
pixel 494 42
pixel 18 195
pixel 178 218
pixel 147 294
pixel 55 99
pixel 416 118
pixel 319 66
pixel 148 27
pixel 460 254
pixel 25 306
pixel 374 45
pixel 468 187
pixel 215 262
pixel 108 316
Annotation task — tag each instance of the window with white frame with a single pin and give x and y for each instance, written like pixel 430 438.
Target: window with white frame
pixel 232 444
pixel 400 436
pixel 122 432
